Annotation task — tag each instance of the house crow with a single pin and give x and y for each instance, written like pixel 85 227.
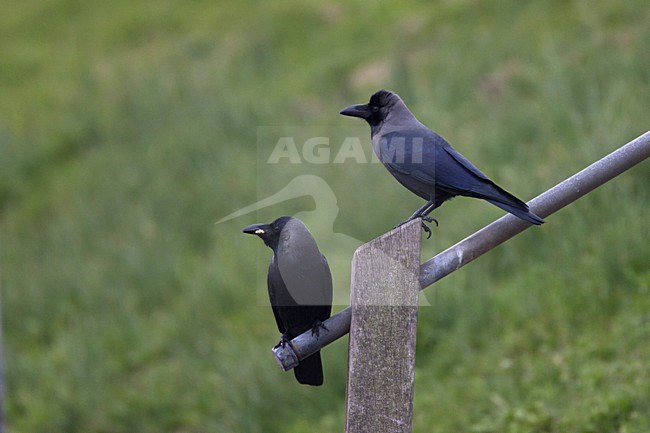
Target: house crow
pixel 425 163
pixel 300 286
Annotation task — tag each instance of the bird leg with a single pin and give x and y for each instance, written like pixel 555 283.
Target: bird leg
pixel 423 213
pixel 315 328
pixel 284 340
pixel 424 210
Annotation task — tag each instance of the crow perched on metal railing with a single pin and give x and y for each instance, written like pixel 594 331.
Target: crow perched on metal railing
pixel 300 286
pixel 425 163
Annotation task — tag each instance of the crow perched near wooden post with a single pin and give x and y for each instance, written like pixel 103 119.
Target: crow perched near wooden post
pixel 297 306
pixel 425 163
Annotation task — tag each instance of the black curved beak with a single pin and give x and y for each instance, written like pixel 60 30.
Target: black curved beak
pixel 256 229
pixel 361 110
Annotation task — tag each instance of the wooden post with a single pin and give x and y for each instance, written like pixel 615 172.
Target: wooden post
pixel 384 300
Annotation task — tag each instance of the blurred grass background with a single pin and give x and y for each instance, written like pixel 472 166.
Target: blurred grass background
pixel 128 128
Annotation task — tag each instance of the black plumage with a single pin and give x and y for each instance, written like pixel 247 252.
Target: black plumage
pixel 299 284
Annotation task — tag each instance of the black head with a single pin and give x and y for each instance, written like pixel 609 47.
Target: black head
pixel 269 233
pixel 375 111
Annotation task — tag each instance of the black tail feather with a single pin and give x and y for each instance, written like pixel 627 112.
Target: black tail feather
pixel 310 370
pixel 519 210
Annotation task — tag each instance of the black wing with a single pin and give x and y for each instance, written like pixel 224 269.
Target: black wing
pixel 276 286
pixel 429 161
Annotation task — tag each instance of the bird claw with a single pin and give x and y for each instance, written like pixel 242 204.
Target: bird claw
pixel 426 229
pixel 315 328
pixel 283 342
pixel 430 219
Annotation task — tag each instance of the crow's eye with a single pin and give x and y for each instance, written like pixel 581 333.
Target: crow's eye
pixel 375 109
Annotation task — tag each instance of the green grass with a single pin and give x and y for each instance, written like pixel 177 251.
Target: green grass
pixel 127 129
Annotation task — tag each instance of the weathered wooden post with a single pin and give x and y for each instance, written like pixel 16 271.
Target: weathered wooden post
pixel 384 301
